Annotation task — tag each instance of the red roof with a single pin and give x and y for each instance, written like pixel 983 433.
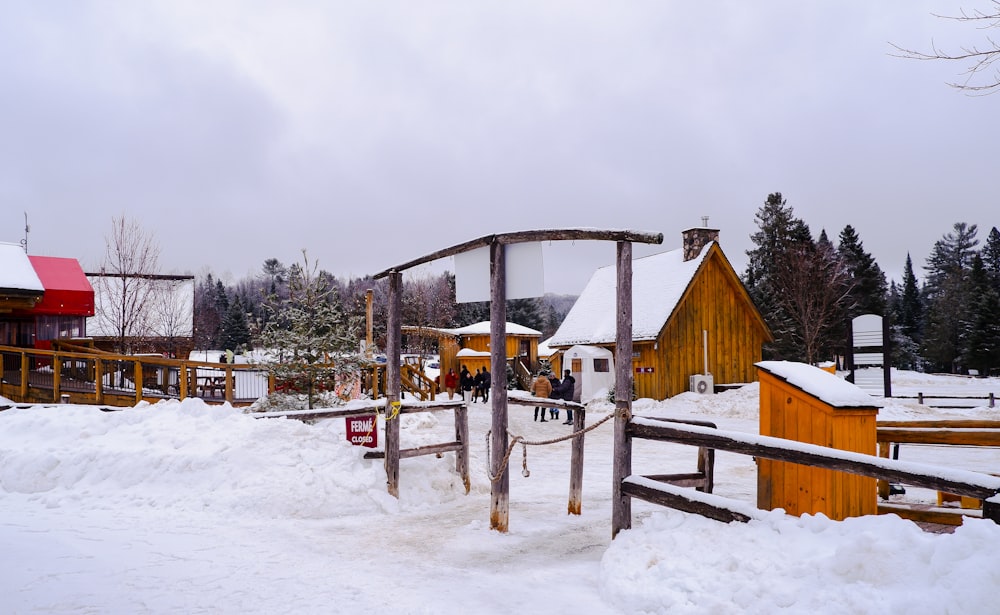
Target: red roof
pixel 67 290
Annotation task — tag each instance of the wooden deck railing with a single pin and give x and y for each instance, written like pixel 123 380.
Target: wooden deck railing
pixel 44 376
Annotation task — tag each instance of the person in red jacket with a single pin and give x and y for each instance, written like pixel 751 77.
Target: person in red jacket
pixel 451 382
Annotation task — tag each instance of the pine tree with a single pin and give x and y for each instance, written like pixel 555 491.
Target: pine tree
pixel 311 343
pixel 868 295
pixel 981 328
pixel 948 297
pixel 991 258
pixel 911 309
pixel 235 330
pixel 779 230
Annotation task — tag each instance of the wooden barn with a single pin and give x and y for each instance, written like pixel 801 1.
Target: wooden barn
pixel 692 316
pixel 42 299
pixel 470 346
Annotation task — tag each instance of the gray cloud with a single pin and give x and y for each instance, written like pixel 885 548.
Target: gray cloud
pixel 371 134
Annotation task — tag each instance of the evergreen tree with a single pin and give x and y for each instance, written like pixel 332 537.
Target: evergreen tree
pixel 911 309
pixel 525 312
pixel 868 295
pixel 311 343
pixel 779 230
pixel 991 258
pixel 948 297
pixel 981 331
pixel 235 330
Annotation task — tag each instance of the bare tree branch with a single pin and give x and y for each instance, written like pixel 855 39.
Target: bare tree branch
pixel 980 57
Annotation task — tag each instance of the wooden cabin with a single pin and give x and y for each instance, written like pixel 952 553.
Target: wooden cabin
pixel 680 300
pixel 54 307
pixel 470 346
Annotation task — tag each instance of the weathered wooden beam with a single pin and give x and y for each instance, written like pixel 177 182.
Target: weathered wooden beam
pixel 682 502
pixel 943 424
pixel 966 437
pixel 499 488
pixel 393 382
pixel 579 234
pixel 462 453
pixel 931 515
pixel 575 504
pixel 844 461
pixel 621 504
pixel 544 402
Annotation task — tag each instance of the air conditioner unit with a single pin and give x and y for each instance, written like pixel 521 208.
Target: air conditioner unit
pixel 702 383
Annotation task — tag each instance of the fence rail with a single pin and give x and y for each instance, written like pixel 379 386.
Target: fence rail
pixel 44 376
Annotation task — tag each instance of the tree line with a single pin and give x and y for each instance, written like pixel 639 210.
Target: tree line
pixel 808 289
pixel 233 316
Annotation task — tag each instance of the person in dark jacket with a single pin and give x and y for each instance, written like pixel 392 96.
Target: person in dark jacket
pixel 555 394
pixel 465 380
pixel 486 384
pixel 477 385
pixel 568 391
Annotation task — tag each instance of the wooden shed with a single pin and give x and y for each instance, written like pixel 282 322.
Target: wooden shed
pixel 680 299
pixel 470 346
pixel 808 404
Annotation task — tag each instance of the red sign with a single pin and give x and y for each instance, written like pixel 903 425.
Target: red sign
pixel 644 370
pixel 361 430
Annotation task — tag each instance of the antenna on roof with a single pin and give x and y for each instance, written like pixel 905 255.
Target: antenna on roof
pixel 704 221
pixel 24 242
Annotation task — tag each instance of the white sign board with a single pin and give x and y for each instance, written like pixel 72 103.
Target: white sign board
pixel 525 276
pixel 867 333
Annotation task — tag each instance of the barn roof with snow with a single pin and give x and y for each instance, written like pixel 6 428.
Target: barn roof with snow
pixel 20 287
pixel 658 283
pixel 691 315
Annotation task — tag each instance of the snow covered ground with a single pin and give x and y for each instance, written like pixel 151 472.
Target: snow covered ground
pixel 186 508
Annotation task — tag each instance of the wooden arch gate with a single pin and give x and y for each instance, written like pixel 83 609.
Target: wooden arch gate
pixel 500 489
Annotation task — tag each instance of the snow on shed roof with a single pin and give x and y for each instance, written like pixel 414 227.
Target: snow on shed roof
pixel 658 282
pixel 483 328
pixel 828 388
pixel 16 271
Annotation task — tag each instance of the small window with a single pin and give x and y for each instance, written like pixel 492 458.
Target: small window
pixel 602 365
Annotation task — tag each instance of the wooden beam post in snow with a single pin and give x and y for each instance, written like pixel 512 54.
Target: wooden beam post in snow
pixel 499 489
pixel 621 504
pixel 394 339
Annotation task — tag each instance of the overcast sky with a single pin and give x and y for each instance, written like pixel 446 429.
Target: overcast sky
pixel 372 133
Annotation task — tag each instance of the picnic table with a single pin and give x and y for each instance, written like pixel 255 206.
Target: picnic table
pixel 211 384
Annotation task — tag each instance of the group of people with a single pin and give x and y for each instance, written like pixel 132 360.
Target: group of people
pixel 546 384
pixel 478 385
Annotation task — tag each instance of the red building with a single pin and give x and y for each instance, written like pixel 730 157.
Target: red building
pixel 67 300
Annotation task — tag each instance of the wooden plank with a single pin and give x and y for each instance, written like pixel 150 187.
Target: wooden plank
pixel 682 502
pixel 528 236
pixel 621 504
pixel 777 449
pixel 933 515
pixel 966 437
pixel 943 424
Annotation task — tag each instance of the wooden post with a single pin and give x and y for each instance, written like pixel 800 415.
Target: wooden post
pixel 56 376
pixel 137 376
pixel 886 357
pixel 394 339
pixel 499 489
pixel 99 380
pixel 369 329
pixel 462 436
pixel 621 504
pixel 24 376
pixel 182 381
pixel 230 383
pixel 576 465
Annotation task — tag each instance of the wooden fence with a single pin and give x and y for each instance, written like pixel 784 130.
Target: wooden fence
pixel 460 445
pixel 960 482
pixel 44 376
pixel 890 434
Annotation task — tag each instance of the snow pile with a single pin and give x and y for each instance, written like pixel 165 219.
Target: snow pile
pixel 680 563
pixel 195 457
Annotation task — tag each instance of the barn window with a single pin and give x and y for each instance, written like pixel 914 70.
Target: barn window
pixel 602 365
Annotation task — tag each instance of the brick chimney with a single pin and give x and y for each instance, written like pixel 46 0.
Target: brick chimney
pixel 697 238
